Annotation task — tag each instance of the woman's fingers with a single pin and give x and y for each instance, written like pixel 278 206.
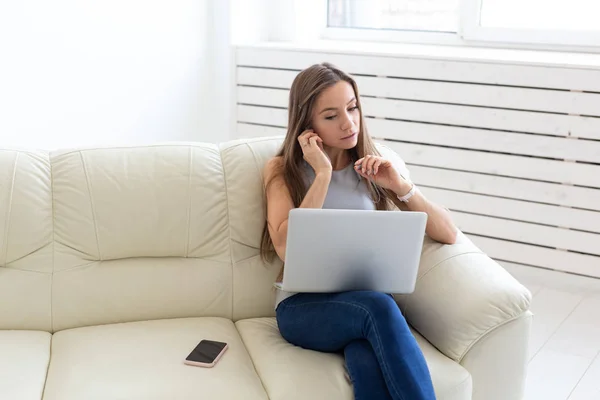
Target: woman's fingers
pixel 304 138
pixel 320 143
pixel 364 164
pixel 358 165
pixel 306 133
pixel 376 166
pixel 310 135
pixel 313 140
pixel 368 164
pixel 361 166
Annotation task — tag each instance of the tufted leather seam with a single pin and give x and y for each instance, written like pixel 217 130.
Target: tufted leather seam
pixel 457 387
pixel 129 258
pixel 256 164
pixel 262 185
pixel 486 332
pixel 28 270
pixel 150 146
pixel 77 267
pixel 244 342
pixel 9 209
pixel 228 229
pixel 47 366
pixel 189 210
pixel 53 251
pixel 82 255
pixel 256 140
pixel 89 187
pixel 7 265
pixel 25 151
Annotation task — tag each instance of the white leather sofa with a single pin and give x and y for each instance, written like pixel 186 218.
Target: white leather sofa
pixel 115 263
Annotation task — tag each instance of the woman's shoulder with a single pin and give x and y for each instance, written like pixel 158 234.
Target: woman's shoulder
pixel 275 162
pixel 273 165
pixel 273 168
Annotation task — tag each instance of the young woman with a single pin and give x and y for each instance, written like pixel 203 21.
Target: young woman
pixel 328 160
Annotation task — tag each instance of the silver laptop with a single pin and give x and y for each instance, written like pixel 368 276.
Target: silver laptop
pixel 344 250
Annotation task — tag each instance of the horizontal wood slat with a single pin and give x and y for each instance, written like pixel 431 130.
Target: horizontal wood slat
pixel 435 113
pixel 262 96
pixel 524 232
pixel 513 188
pixel 266 77
pixel 262 115
pixel 556 101
pixel 481 139
pixel 538 256
pixel 432 69
pixel 517 210
pixel 499 164
pixel 479 117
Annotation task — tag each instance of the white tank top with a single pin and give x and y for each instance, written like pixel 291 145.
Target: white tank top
pixel 346 191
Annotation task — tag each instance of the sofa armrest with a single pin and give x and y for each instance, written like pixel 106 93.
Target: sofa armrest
pixel 461 294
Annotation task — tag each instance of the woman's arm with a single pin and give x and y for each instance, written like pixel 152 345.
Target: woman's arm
pixel 279 202
pixel 382 171
pixel 440 226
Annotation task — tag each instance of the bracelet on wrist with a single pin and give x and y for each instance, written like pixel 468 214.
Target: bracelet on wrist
pixel 408 195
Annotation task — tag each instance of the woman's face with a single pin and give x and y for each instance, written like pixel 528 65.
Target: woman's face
pixel 336 117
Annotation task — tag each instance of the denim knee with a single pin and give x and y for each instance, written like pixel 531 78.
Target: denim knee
pixel 381 306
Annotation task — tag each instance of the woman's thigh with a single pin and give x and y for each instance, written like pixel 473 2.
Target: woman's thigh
pixel 329 321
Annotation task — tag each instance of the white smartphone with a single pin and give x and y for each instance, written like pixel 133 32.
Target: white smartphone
pixel 206 354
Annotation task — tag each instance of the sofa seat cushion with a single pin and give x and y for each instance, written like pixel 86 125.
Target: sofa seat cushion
pixel 144 360
pixel 24 358
pixel 290 372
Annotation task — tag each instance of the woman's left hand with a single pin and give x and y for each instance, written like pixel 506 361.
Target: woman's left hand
pixel 382 173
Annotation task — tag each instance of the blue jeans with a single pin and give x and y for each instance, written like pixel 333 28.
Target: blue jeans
pixel 383 358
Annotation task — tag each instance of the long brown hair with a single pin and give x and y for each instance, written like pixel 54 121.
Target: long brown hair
pixel 306 88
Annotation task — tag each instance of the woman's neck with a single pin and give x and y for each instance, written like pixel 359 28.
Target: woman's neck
pixel 339 157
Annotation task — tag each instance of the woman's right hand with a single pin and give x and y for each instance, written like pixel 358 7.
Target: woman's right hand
pixel 312 148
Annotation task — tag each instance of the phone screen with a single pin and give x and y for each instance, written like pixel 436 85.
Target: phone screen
pixel 206 351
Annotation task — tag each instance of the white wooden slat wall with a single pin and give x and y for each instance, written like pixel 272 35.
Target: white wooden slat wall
pixel 512 150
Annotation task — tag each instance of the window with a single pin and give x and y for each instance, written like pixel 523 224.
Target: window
pixel 539 23
pixel 415 15
pixel 573 15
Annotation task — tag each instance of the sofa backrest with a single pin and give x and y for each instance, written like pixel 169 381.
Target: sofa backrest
pixel 243 162
pixel 140 233
pixel 108 235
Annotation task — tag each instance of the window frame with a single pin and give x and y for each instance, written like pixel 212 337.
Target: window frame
pixel 470 14
pixel 470 33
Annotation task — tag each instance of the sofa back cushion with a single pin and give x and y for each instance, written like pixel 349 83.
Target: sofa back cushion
pixel 140 233
pixel 243 162
pixel 25 240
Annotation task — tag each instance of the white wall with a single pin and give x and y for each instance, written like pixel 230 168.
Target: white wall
pixel 255 21
pixel 91 72
pixel 250 20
